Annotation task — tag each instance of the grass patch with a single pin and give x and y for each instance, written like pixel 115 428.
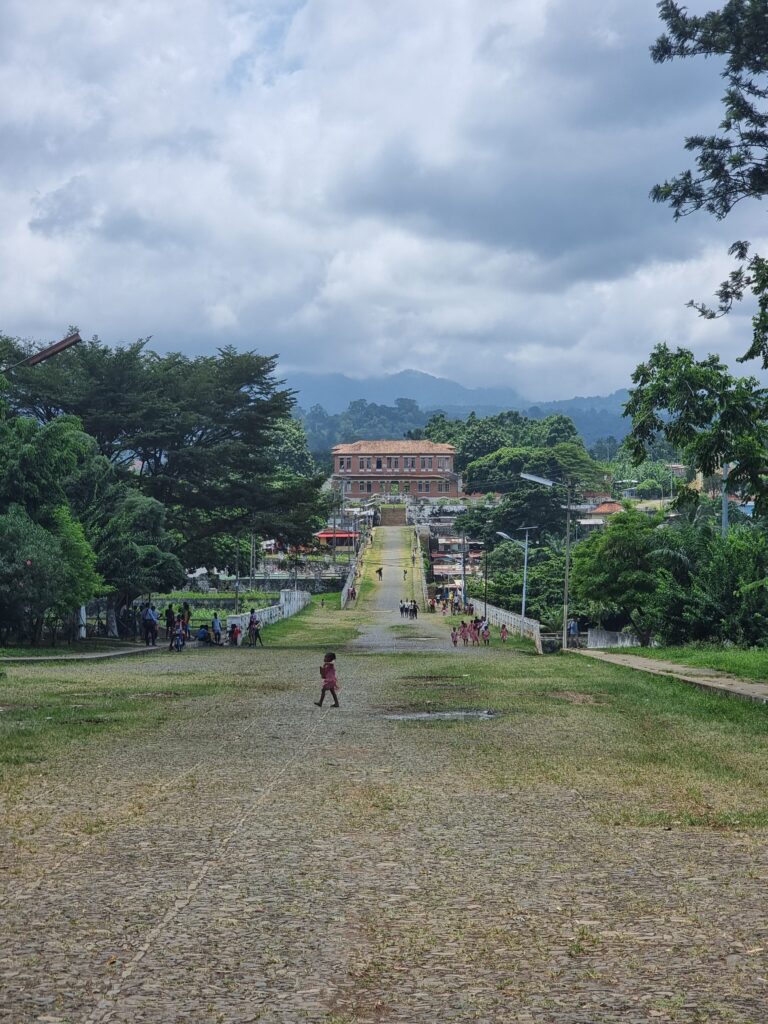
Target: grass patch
pixel 641 750
pixel 317 626
pixel 748 664
pixel 76 647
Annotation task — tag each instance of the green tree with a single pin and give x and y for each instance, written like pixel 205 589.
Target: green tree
pixel 710 415
pixel 44 573
pixel 500 470
pixel 201 434
pixel 732 163
pixel 617 567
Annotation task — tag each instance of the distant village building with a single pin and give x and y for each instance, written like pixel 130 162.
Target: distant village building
pixel 423 469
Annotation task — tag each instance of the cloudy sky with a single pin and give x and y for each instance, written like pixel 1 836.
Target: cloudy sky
pixel 457 186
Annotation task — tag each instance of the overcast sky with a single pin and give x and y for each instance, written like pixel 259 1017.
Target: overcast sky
pixel 456 186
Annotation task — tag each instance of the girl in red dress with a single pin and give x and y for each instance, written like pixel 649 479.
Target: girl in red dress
pixel 330 683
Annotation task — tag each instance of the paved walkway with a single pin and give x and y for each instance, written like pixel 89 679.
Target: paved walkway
pixel 256 859
pixel 705 678
pixel 401 580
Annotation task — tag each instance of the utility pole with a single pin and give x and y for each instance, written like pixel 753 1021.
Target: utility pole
pixel 335 501
pixel 724 523
pixel 463 569
pixel 567 562
pixel 253 561
pixel 485 599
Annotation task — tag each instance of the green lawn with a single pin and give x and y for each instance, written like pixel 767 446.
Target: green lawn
pixel 640 750
pixel 749 664
pixel 76 647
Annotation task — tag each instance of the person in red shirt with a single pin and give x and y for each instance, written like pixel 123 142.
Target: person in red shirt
pixel 330 682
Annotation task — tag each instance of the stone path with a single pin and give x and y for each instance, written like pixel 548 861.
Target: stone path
pixel 704 678
pixel 388 632
pixel 256 859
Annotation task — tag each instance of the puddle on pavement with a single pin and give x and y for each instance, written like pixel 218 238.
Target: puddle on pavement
pixel 439 716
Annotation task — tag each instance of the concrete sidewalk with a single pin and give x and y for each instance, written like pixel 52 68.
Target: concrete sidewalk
pixel 705 678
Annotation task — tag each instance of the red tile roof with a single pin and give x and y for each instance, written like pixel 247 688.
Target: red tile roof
pixel 608 508
pixel 401 447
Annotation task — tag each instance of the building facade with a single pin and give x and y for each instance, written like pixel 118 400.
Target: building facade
pixel 422 469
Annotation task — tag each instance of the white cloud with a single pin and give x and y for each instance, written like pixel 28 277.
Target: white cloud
pixel 459 187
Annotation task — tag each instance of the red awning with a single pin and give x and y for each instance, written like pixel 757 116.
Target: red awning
pixel 339 535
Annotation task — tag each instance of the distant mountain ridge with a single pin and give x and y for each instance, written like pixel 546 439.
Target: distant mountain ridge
pixel 594 416
pixel 334 391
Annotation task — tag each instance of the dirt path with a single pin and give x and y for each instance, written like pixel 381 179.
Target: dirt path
pixel 704 678
pixel 259 860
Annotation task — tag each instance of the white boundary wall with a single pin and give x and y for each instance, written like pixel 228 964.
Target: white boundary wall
pixel 420 556
pixel 348 584
pixel 291 601
pixel 500 616
pixel 597 638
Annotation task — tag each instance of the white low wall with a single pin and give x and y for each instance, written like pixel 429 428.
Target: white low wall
pixel 420 557
pixel 291 601
pixel 500 617
pixel 597 638
pixel 348 584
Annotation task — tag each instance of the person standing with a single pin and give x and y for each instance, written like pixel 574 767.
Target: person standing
pixel 254 630
pixel 330 682
pixel 170 622
pixel 216 628
pixel 149 621
pixel 186 615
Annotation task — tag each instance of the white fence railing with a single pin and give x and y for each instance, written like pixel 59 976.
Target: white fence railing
pixel 515 623
pixel 291 602
pixel 348 585
pixel 420 557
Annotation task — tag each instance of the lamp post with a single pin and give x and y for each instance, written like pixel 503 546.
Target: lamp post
pixel 524 546
pixel 545 482
pixel 47 352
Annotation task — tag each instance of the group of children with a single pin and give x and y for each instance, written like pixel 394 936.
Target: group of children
pixel 471 633
pixel 409 610
pixel 179 632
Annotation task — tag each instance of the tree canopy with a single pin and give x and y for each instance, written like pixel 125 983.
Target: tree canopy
pixel 209 437
pixel 731 164
pixel 706 412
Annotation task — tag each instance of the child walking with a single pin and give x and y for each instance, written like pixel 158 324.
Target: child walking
pixel 330 682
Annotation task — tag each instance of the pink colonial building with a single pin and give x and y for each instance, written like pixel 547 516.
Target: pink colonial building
pixel 420 468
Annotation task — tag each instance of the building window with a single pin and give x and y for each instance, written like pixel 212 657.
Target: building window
pixel 426 484
pixel 349 462
pixel 409 462
pixel 378 463
pixel 406 487
pixel 396 462
pixel 361 485
pixel 426 462
pixel 444 463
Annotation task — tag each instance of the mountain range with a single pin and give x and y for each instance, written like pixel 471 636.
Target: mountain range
pixel 594 416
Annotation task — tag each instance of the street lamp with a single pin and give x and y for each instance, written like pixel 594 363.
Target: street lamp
pixel 500 533
pixel 46 353
pixel 545 482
